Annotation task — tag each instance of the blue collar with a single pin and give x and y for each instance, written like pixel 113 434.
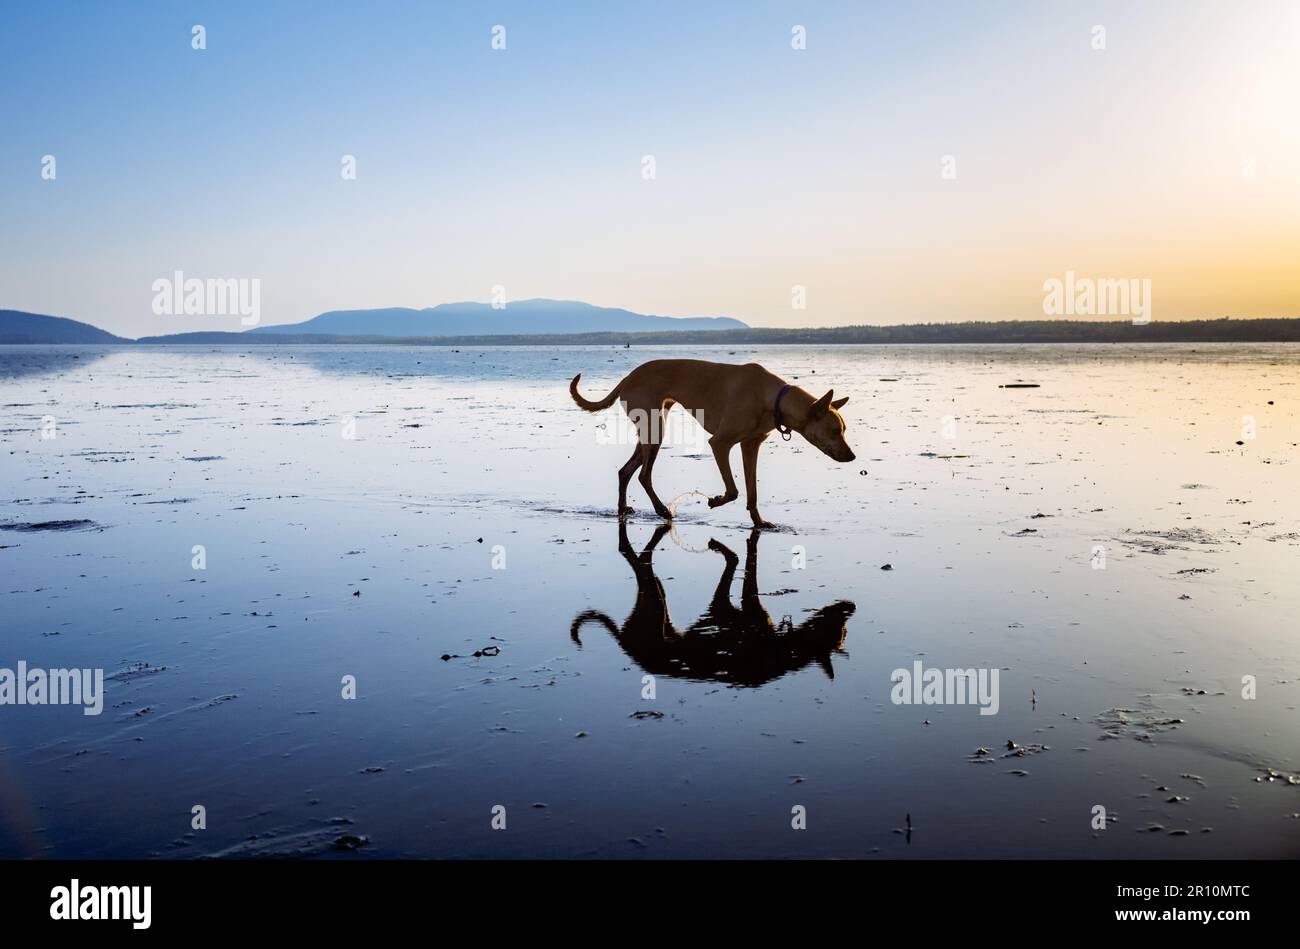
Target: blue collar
pixel 781 427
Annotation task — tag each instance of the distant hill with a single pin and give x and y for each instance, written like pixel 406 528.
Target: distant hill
pixel 1271 330
pixel 17 326
pixel 524 317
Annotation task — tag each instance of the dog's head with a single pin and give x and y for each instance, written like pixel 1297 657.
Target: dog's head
pixel 824 427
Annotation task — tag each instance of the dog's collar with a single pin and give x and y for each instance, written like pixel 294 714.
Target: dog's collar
pixel 781 427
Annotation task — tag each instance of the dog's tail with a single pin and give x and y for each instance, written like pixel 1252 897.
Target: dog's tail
pixel 588 405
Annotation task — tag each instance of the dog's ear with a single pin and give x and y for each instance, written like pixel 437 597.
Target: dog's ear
pixel 822 404
pixel 840 403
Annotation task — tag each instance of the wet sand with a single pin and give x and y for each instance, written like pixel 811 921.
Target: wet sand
pixel 373 557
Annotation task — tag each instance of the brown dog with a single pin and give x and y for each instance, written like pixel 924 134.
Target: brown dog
pixel 735 405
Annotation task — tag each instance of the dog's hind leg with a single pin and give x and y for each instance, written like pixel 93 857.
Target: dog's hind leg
pixel 649 452
pixel 722 455
pixel 624 476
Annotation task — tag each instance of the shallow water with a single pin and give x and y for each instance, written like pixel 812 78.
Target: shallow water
pixel 989 504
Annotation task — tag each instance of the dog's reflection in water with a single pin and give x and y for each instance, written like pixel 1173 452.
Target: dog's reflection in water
pixel 740 646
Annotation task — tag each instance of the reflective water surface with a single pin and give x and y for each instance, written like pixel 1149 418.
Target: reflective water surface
pixel 1121 543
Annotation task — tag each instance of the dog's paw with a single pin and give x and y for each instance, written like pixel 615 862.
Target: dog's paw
pixel 720 500
pixel 765 525
pixel 626 511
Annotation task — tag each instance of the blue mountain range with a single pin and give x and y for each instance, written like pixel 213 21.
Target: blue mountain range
pixel 523 317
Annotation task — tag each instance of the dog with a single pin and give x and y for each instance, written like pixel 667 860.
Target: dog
pixel 738 646
pixel 736 405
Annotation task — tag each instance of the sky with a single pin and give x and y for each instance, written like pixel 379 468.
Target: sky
pixel 1172 154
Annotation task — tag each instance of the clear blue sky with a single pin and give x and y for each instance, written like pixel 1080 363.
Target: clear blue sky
pixel 775 167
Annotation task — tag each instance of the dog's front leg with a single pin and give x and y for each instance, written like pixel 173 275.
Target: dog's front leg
pixel 749 455
pixel 721 454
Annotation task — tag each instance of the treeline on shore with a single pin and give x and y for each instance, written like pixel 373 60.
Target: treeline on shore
pixel 1274 330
